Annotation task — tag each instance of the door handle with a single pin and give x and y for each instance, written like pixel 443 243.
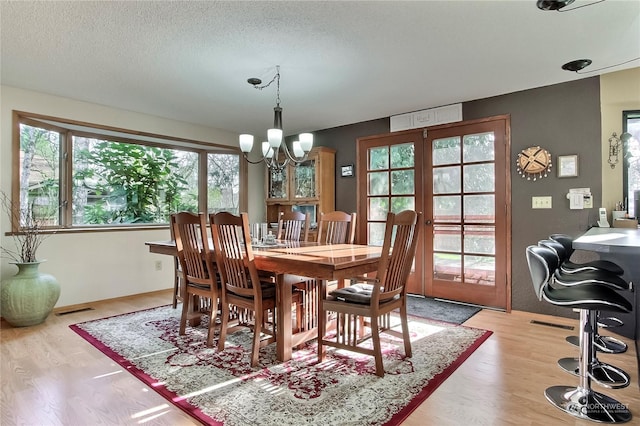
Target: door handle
pixel 428 222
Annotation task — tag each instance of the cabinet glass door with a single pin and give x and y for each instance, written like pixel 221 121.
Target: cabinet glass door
pixel 278 183
pixel 304 180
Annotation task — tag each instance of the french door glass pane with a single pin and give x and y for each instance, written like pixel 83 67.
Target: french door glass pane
pixel 479 208
pixel 447 238
pixel 479 178
pixel 446 151
pixel 480 270
pixel 378 183
pixel 402 182
pixel 378 208
pixel 399 204
pixel 446 180
pixel 375 232
pixel 478 147
pixel 479 239
pixel 379 158
pixel 402 155
pixel 446 208
pixel 447 266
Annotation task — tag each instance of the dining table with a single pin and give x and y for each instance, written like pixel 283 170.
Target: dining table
pixel 290 261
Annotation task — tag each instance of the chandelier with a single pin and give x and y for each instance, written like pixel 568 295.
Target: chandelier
pixel 275 153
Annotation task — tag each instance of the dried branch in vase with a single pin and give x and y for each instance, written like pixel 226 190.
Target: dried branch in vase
pixel 30 235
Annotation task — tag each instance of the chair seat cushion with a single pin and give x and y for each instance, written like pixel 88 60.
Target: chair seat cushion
pixel 588 296
pixel 606 265
pixel 202 286
pixel 268 291
pixel 356 293
pixel 600 277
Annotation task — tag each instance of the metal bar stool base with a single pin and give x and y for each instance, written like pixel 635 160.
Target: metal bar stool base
pixel 605 344
pixel 604 374
pixel 587 404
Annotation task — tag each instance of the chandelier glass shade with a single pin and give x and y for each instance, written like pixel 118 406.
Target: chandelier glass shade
pixel 275 153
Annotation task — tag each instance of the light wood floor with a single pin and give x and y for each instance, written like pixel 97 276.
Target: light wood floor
pixel 51 376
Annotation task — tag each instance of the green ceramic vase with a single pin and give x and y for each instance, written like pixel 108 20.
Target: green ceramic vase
pixel 28 297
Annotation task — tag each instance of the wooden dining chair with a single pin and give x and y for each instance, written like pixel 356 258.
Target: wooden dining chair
pixel 374 298
pixel 337 228
pixel 241 285
pixel 293 226
pixel 199 276
pixel 177 269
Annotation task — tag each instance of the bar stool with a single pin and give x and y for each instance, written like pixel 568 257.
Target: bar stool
pixel 579 401
pixel 607 344
pixel 605 374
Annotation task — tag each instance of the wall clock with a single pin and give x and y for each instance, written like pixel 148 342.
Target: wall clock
pixel 534 163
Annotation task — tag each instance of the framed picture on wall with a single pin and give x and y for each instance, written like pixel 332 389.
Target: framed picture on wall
pixel 347 170
pixel 567 166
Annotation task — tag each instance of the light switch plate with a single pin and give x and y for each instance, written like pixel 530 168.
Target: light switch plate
pixel 541 202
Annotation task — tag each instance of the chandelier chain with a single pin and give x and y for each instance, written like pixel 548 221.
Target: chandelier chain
pixel 275 78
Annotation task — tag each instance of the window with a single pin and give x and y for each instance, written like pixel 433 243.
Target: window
pixel 80 175
pixel 631 168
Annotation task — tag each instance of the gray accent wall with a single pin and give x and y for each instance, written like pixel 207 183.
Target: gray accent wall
pixel 562 118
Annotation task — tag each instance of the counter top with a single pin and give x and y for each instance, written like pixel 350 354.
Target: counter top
pixel 610 240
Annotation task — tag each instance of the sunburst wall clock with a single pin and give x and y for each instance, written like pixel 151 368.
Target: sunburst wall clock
pixel 534 163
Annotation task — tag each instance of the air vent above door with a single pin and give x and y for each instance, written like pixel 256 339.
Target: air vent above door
pixel 426 117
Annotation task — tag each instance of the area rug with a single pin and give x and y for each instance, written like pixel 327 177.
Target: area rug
pixel 221 388
pixel 441 310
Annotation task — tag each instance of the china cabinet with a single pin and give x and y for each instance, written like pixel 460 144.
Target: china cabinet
pixel 308 187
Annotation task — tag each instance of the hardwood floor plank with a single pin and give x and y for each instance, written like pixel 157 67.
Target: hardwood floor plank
pixel 51 376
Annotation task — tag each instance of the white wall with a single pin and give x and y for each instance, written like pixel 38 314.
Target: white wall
pixel 619 91
pixel 102 265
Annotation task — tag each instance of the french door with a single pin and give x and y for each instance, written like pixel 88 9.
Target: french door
pixel 458 176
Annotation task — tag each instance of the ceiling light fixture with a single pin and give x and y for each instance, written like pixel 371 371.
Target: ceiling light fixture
pixel 559 5
pixel 579 64
pixel 275 149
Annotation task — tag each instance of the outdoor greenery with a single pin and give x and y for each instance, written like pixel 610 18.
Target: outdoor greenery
pixel 133 183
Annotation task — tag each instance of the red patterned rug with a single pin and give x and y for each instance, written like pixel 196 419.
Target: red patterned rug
pixel 221 388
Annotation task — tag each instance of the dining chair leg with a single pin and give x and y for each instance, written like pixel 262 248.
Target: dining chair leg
pixel 257 328
pixel 185 314
pixel 175 294
pixel 322 322
pixel 405 330
pixel 224 322
pixel 212 326
pixel 377 349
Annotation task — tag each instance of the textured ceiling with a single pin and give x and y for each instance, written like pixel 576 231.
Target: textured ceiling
pixel 341 62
